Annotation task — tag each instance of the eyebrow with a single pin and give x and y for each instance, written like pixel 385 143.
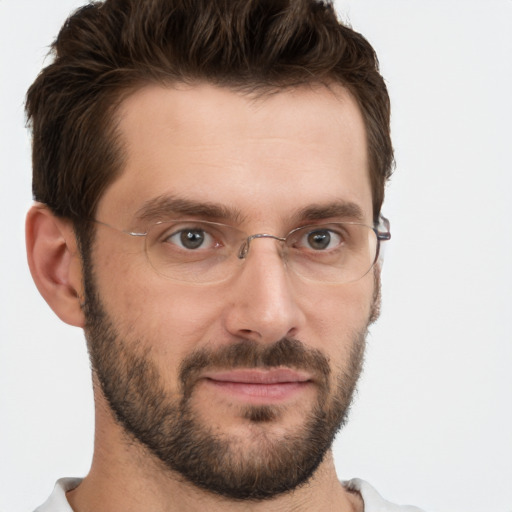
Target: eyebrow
pixel 165 207
pixel 345 210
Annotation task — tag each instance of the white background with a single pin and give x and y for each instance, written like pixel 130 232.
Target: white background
pixel 432 424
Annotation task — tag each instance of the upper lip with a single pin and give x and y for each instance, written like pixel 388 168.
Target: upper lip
pixel 258 376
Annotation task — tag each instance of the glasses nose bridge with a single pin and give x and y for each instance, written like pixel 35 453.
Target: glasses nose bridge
pixel 246 244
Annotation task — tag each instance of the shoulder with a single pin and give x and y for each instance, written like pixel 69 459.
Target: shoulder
pixel 57 502
pixel 373 501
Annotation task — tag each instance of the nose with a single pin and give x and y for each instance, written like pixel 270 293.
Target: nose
pixel 264 304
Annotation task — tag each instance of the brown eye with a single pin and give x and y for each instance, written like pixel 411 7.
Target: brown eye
pixel 191 239
pixel 320 239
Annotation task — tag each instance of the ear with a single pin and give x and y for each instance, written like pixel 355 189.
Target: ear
pixel 55 263
pixel 376 302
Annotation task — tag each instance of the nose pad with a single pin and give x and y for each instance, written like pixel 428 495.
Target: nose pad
pixel 246 245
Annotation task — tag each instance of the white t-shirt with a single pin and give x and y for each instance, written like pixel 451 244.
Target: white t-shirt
pixel 373 501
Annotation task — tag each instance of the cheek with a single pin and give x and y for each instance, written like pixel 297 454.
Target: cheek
pixel 182 318
pixel 147 308
pixel 348 307
pixel 340 317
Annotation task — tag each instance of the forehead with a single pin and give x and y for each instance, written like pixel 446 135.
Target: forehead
pixel 259 155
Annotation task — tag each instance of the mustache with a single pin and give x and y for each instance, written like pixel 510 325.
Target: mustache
pixel 246 353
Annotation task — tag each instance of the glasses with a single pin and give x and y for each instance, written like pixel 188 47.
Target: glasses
pixel 198 251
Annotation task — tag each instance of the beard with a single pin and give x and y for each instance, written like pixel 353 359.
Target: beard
pixel 173 431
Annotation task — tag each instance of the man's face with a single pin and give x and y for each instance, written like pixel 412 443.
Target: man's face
pixel 239 385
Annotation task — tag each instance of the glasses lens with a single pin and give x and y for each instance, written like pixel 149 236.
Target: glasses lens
pixel 207 252
pixel 332 253
pixel 193 251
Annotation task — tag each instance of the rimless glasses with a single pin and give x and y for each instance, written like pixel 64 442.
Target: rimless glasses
pixel 199 251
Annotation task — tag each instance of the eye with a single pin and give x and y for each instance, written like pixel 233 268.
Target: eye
pixel 192 239
pixel 320 239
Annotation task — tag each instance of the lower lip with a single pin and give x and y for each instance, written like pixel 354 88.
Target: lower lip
pixel 262 393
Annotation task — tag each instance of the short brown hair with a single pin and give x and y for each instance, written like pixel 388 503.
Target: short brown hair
pixel 106 50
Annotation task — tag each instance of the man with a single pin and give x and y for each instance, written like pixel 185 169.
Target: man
pixel 209 177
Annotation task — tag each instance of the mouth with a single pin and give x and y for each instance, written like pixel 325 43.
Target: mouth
pixel 259 385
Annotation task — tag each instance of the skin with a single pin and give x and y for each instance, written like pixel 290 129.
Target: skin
pixel 265 158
